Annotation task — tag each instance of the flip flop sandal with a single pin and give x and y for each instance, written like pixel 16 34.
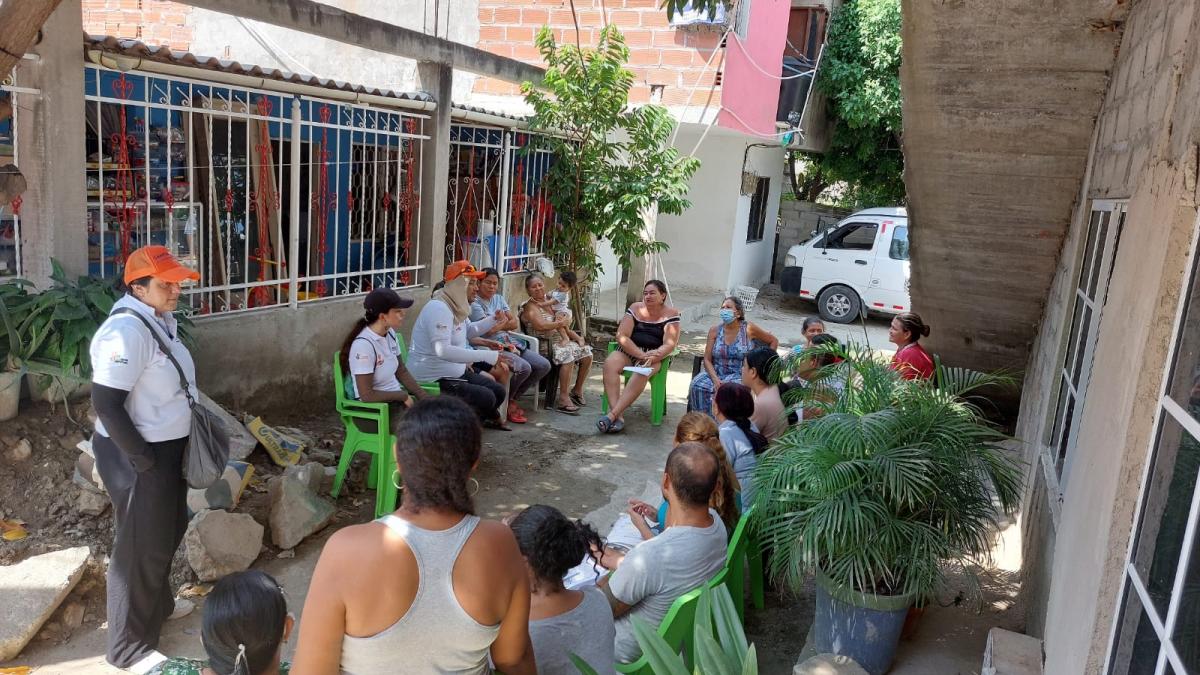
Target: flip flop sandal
pixel 567 410
pixel 496 424
pixel 604 424
pixel 577 399
pixel 617 426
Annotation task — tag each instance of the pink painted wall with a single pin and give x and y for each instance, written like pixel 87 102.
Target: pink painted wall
pixel 747 93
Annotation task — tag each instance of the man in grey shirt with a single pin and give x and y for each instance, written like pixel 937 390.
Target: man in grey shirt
pixel 689 552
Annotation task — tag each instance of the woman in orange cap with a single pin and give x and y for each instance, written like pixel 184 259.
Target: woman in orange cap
pixel 143 423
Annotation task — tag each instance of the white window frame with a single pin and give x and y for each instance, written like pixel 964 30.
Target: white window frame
pixel 1164 627
pixel 1099 251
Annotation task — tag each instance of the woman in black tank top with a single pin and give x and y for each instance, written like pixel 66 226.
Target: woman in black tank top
pixel 647 334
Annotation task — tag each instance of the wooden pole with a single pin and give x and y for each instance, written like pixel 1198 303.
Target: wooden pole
pixel 20 21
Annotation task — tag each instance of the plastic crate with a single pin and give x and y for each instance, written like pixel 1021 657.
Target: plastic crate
pixel 747 294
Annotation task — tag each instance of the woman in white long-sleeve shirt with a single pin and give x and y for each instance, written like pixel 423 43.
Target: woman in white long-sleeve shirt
pixel 440 351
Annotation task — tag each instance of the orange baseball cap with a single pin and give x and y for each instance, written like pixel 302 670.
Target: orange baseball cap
pixel 462 268
pixel 157 262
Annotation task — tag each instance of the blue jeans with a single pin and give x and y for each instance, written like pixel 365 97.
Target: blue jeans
pixel 528 370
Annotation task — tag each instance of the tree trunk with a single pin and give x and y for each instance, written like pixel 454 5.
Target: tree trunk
pixel 20 21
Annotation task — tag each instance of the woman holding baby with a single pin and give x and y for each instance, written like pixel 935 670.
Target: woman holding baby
pixel 565 348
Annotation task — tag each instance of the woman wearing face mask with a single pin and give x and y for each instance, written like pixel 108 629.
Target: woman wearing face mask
pixel 728 344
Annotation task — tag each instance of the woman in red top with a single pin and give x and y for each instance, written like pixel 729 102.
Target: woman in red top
pixel 911 359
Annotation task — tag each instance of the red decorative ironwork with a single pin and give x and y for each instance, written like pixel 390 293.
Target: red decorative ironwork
pixel 323 200
pixel 121 142
pixel 168 198
pixel 228 200
pixel 410 199
pixel 387 201
pixel 263 204
pixel 16 205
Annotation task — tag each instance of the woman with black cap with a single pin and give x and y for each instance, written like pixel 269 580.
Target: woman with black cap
pixel 371 354
pixel 143 423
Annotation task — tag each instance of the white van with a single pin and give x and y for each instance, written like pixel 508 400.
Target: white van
pixel 859 265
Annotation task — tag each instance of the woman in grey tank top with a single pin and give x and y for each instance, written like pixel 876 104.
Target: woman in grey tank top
pixel 430 589
pixel 563 622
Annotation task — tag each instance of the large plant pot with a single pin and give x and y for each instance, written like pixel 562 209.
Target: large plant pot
pixel 10 393
pixel 52 389
pixel 863 627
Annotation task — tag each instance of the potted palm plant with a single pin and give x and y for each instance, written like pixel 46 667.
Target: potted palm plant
pixel 885 485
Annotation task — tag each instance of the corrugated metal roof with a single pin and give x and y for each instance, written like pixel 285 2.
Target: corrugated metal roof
pixel 141 50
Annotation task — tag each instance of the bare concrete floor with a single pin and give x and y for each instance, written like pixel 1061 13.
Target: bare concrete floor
pixel 561 460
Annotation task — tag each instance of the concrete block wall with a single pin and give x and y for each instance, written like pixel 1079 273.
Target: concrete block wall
pixel 798 223
pixel 155 22
pixel 660 56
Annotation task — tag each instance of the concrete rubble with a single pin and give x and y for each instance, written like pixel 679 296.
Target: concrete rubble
pixel 92 503
pixel 241 441
pixel 296 511
pixel 219 543
pixel 21 451
pixel 32 590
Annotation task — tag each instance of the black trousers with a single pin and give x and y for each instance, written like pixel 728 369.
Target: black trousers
pixel 479 391
pixel 150 513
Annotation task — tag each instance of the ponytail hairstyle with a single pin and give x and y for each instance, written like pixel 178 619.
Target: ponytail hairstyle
pixel 736 403
pixel 700 428
pixel 551 543
pixel 243 624
pixel 438 442
pixel 822 360
pixel 912 323
pixel 765 364
pixel 369 317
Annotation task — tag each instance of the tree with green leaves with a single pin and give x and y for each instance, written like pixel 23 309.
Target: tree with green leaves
pixel 860 76
pixel 613 163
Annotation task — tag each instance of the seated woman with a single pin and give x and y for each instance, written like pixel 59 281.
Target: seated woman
pixel 910 360
pixel 724 352
pixel 742 440
pixel 826 383
pixel 761 373
pixel 243 630
pixel 440 352
pixel 725 500
pixel 570 355
pixel 431 588
pixel 528 367
pixel 562 622
pixel 646 335
pixel 371 354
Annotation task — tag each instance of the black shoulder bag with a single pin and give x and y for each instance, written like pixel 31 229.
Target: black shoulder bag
pixel 207 449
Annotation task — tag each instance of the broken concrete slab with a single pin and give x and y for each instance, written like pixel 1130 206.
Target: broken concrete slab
pixel 92 503
pixel 296 511
pixel 241 441
pixel 829 664
pixel 32 591
pixel 311 474
pixel 219 543
pixel 1010 653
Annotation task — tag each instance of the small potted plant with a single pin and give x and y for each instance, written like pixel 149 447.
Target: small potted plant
pixel 884 485
pixel 14 300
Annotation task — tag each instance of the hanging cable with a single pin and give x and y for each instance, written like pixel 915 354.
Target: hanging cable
pixel 746 54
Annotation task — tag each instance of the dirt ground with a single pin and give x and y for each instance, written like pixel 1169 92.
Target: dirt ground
pixel 555 459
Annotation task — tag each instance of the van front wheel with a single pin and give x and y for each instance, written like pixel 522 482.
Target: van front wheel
pixel 839 304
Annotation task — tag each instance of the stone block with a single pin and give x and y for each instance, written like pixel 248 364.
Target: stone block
pixel 296 511
pixel 92 503
pixel 219 543
pixel 828 664
pixel 311 474
pixel 1010 653
pixel 32 591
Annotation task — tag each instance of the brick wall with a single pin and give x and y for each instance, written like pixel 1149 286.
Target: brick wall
pixel 660 56
pixel 155 22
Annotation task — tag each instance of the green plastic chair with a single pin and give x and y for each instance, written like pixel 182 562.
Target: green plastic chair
pixel 678 627
pixel 431 387
pixel 742 549
pixel 658 389
pixel 378 444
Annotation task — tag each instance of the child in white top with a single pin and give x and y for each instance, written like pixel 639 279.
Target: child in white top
pixel 558 301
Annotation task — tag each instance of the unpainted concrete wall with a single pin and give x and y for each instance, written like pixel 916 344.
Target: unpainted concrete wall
pixel 51 150
pixel 1149 158
pixel 799 221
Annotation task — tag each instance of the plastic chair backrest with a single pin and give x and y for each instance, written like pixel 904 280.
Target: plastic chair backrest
pixel 403 347
pixel 739 542
pixel 343 388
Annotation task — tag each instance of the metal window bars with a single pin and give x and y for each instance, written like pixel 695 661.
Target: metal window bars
pixel 210 171
pixel 498 211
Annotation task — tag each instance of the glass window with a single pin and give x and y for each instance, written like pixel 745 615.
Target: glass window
pixel 899 248
pixel 1160 616
pixel 757 224
pixel 854 236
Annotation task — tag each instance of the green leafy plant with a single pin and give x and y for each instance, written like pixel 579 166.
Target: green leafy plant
pixel 860 75
pixel 889 483
pixel 49 332
pixel 613 163
pixel 720 642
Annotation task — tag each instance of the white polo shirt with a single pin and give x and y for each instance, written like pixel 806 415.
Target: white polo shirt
pixel 125 356
pixel 439 345
pixel 376 355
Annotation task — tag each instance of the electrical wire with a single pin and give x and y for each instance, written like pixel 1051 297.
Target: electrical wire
pixel 746 54
pixel 273 47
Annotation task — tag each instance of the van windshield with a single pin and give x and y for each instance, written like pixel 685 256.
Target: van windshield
pixel 899 247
